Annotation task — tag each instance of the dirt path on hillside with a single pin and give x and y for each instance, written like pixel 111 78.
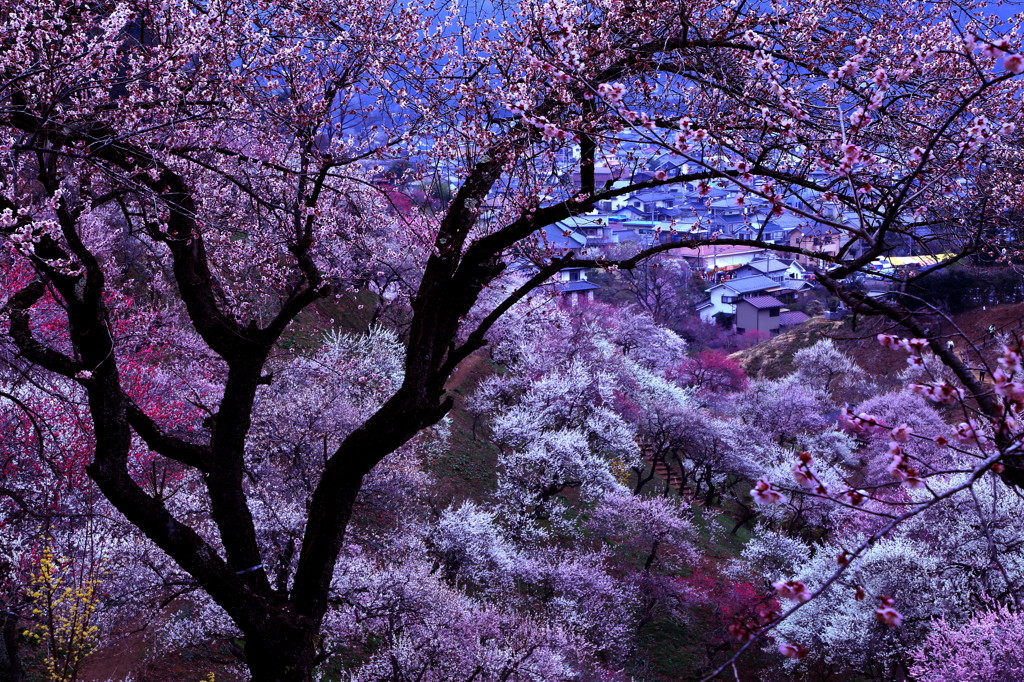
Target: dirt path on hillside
pixel 467 375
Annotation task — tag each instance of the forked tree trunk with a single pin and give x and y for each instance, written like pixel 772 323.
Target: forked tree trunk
pixel 282 653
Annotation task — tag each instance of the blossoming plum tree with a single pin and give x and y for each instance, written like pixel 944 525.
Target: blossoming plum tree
pixel 180 182
pixel 975 651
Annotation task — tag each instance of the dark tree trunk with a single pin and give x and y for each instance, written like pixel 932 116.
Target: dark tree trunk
pixel 10 662
pixel 284 653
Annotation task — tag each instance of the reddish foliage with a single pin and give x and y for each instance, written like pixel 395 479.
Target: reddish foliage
pixel 712 370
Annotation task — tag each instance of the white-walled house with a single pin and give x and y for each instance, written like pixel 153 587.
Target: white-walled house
pixel 572 284
pixel 786 271
pixel 615 203
pixel 722 297
pixel 719 257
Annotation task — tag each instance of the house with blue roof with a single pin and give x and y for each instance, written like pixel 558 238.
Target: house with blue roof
pixel 561 236
pixel 573 286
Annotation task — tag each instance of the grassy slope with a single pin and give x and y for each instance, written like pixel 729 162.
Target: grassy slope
pixel 774 358
pixel 350 313
pixel 468 469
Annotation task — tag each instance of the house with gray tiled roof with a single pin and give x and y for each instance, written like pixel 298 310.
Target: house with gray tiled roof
pixel 594 228
pixel 684 227
pixel 756 308
pixel 786 271
pixel 762 302
pixel 791 318
pixel 659 203
pixel 727 215
pixel 626 212
pixel 712 258
pixel 722 298
pixel 765 314
pixel 758 313
pixel 562 236
pixel 774 231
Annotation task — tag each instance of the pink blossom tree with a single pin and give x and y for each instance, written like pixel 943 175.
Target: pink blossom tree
pixel 206 170
pixel 712 371
pixel 981 649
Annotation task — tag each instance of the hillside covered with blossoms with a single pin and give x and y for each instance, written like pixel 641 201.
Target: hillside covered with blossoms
pixel 529 342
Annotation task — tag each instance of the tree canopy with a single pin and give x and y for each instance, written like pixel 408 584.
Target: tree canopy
pixel 180 182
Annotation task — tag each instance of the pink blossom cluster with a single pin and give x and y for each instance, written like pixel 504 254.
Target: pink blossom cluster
pixel 851 156
pixel 791 650
pixel 966 433
pixel 853 497
pixel 764 493
pixel 886 613
pixel 805 476
pixel 862 423
pixel 912 346
pixel 1013 391
pixel 900 468
pixel 612 93
pixel 794 590
pixel 939 392
pixel 1009 361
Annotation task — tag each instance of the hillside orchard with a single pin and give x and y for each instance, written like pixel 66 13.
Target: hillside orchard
pixel 195 456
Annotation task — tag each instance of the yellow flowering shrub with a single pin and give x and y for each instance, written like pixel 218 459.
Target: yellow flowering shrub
pixel 64 610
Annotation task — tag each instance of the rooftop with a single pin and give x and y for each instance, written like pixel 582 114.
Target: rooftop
pixel 656 195
pixel 718 250
pixel 748 285
pixel 762 302
pixel 561 236
pixel 791 318
pixel 768 264
pixel 568 287
pixel 810 229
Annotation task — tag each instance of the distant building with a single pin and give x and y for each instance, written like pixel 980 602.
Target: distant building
pixel 572 284
pixel 816 237
pixel 786 271
pixel 824 238
pixel 602 230
pixel 719 256
pixel 722 298
pixel 765 314
pixel 561 236
pixel 727 215
pixel 758 313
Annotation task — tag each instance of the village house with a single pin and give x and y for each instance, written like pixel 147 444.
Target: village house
pixel 816 237
pixel 716 258
pixel 561 236
pixel 686 227
pixel 572 284
pixel 603 230
pixel 786 271
pixel 766 315
pixel 773 230
pixel 722 298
